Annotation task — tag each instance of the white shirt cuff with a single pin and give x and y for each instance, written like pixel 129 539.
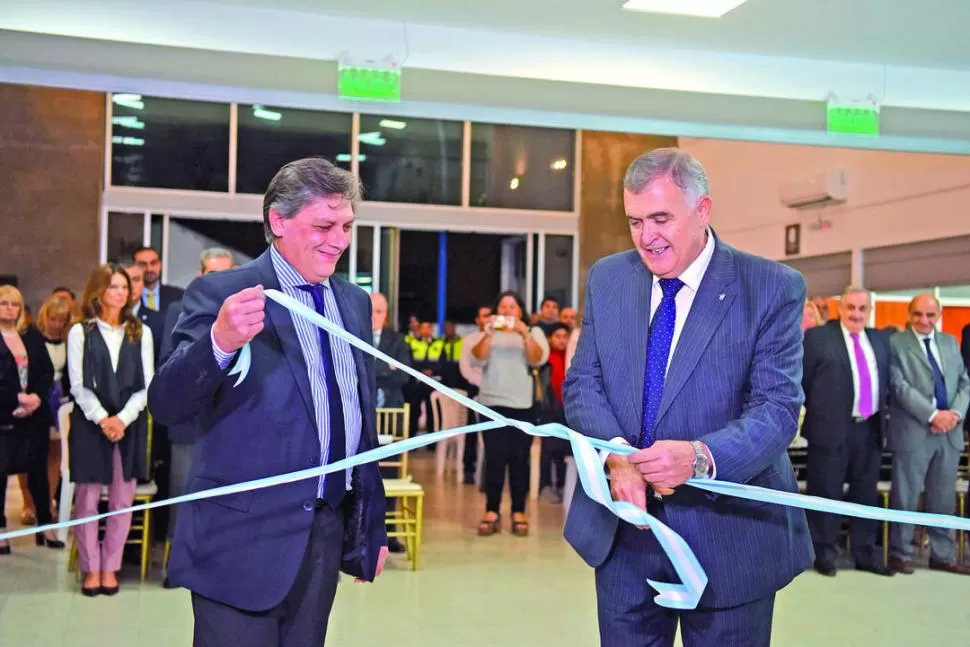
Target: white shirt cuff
pixel 222 358
pixel 932 416
pixel 604 454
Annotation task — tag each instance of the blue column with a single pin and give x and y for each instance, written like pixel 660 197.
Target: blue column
pixel 442 280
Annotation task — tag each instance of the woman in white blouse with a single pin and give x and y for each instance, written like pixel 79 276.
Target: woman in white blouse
pixel 110 365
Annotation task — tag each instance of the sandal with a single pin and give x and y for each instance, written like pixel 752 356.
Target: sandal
pixel 520 527
pixel 487 526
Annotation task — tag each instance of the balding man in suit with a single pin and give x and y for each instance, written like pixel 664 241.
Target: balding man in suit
pixel 931 393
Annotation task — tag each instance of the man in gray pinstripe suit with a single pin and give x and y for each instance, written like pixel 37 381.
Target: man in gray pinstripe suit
pixel 692 351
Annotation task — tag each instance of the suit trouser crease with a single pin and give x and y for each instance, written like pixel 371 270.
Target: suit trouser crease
pixel 104 556
pixel 301 618
pixel 931 469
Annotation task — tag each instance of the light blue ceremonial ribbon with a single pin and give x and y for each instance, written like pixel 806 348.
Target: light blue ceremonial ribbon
pixel 589 467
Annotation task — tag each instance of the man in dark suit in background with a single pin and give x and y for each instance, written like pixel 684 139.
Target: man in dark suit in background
pixel 263 565
pixel 691 350
pixel 154 320
pixel 181 437
pixel 156 296
pixel 846 383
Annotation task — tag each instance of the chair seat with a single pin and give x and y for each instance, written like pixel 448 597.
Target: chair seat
pixel 402 487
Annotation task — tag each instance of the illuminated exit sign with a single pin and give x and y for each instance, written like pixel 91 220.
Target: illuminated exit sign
pixel 860 118
pixel 369 80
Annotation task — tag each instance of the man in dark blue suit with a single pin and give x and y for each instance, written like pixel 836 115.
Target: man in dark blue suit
pixel 692 352
pixel 263 565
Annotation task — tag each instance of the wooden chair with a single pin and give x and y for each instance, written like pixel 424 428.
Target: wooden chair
pixel 140 533
pixel 406 520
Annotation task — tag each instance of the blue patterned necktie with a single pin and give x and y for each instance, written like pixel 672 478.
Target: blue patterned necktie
pixel 658 352
pixel 334 485
pixel 939 386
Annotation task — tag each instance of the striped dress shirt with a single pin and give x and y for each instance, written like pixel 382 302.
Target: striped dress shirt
pixel 290 282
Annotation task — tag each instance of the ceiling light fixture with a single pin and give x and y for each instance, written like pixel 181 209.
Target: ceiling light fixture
pixel 372 138
pixel 269 115
pixel 345 157
pixel 128 122
pixel 698 8
pixel 559 164
pixel 128 100
pixel 514 184
pixel 393 124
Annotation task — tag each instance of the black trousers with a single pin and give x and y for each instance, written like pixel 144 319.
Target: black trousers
pixel 507 448
pixel 301 618
pixel 827 470
pixel 38 487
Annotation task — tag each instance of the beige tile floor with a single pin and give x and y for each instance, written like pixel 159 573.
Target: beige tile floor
pixel 470 592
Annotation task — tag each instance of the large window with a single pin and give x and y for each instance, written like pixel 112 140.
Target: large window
pixel 518 167
pixel 410 160
pixel 271 137
pixel 169 143
pixel 126 233
pixel 558 270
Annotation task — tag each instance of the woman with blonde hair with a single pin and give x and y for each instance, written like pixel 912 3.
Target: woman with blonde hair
pixel 110 365
pixel 811 316
pixel 53 322
pixel 25 378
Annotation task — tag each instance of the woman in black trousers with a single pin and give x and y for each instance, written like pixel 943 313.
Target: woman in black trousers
pixel 26 374
pixel 507 352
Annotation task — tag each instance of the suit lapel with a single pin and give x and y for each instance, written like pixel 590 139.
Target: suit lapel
pixel 637 311
pixel 282 322
pixel 714 298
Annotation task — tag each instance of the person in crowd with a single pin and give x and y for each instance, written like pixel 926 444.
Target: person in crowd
pixel 965 351
pixel 154 319
pixel 506 352
pixel 846 382
pixel 53 322
pixel 156 296
pixel 552 469
pixel 472 376
pixel 811 317
pixel 263 567
pixel 571 345
pixel 110 364
pixel 26 375
pixel 568 317
pixel 451 348
pixel 930 397
pixel 65 293
pixel 822 304
pixel 181 437
pixel 548 314
pixel 686 354
pixel 426 356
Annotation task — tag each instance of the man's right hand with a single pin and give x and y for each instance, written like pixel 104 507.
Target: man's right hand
pixel 240 319
pixel 944 421
pixel 627 483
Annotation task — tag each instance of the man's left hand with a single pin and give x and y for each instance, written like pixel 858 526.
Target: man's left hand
pixel 381 558
pixel 666 463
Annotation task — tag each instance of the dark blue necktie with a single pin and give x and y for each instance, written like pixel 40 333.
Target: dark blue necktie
pixel 658 352
pixel 334 485
pixel 939 386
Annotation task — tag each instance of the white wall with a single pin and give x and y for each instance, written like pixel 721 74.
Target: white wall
pixel 894 198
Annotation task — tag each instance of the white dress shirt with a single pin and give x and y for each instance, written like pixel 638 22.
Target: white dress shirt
pixel 113 337
pixel 873 370
pixel 691 277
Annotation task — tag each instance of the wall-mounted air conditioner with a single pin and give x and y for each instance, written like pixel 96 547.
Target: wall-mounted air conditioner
pixel 819 190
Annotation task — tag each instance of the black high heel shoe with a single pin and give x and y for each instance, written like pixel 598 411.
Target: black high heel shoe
pixel 41 540
pixel 5 549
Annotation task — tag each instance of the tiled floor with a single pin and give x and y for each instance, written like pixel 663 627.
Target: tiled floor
pixel 471 592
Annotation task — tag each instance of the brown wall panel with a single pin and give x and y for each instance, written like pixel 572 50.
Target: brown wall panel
pixel 51 174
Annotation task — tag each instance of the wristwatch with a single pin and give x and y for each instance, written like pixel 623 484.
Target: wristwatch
pixel 702 466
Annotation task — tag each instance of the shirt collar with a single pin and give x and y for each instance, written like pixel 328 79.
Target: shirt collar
pixel 288 276
pixel 694 273
pixel 847 334
pixel 920 336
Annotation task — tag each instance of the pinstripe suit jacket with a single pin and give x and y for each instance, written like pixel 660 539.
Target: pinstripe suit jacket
pixel 734 382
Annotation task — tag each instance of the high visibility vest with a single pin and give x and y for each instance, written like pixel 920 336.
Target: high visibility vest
pixel 427 351
pixel 453 349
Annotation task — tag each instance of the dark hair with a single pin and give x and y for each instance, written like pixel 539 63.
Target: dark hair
pixel 552 328
pixel 89 308
pixel 138 251
pixel 61 288
pixel 299 183
pixel 518 300
pixel 547 300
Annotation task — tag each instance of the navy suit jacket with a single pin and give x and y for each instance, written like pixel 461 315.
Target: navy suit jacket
pixel 733 383
pixel 244 549
pixel 155 322
pixel 827 382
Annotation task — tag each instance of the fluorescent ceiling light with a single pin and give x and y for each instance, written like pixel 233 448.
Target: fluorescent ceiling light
pixel 701 8
pixel 269 115
pixel 128 100
pixel 373 138
pixel 129 122
pixel 128 141
pixel 345 157
pixel 559 164
pixel 393 124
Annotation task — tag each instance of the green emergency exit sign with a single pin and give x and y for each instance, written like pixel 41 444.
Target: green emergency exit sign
pixel 364 83
pixel 853 119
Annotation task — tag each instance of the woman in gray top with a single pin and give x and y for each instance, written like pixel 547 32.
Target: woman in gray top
pixel 507 353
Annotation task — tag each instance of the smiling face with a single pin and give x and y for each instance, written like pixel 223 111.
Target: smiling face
pixel 854 310
pixel 924 313
pixel 667 232
pixel 313 240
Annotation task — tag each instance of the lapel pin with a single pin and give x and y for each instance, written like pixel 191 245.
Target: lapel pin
pixel 720 297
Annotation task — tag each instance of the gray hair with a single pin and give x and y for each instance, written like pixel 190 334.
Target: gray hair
pixel 685 171
pixel 213 252
pixel 299 183
pixel 856 289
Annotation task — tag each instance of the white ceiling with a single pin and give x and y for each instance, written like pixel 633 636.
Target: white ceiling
pixel 931 33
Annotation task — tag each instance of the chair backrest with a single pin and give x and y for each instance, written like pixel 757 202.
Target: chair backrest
pixel 393 426
pixel 448 413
